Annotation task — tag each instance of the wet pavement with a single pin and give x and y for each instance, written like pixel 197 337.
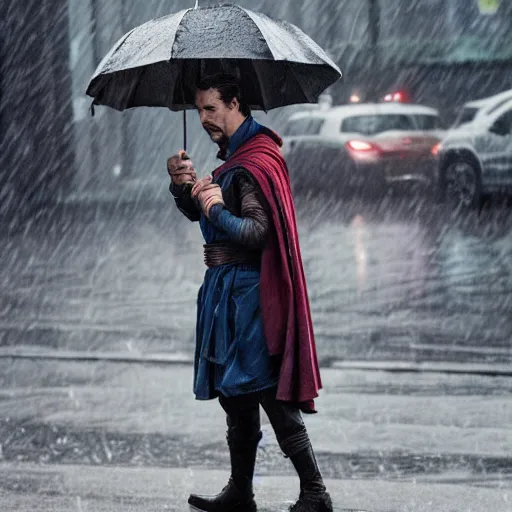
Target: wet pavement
pixel 370 425
pixel 103 436
pixel 105 489
pixel 395 281
pixel 396 278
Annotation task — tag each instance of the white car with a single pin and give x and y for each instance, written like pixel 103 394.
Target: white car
pixel 476 157
pixel 362 146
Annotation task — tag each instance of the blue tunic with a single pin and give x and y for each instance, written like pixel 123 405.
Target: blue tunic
pixel 231 354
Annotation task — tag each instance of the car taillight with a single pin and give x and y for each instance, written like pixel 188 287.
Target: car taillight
pixel 361 145
pixel 435 149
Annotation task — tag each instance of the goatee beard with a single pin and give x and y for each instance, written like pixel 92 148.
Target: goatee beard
pixel 223 143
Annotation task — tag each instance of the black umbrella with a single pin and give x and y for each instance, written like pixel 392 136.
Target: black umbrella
pixel 161 62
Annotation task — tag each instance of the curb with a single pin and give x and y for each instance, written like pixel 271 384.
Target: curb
pixel 184 359
pixel 113 357
pixel 426 367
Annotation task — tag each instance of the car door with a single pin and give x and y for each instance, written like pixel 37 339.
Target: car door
pixel 495 150
pixel 306 151
pixel 299 134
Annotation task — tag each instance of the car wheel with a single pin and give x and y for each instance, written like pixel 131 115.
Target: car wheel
pixel 461 185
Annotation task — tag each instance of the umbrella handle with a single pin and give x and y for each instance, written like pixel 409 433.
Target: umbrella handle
pixel 185 130
pixel 184 111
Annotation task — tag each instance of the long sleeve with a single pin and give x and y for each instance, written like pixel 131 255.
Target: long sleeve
pixel 251 228
pixel 184 201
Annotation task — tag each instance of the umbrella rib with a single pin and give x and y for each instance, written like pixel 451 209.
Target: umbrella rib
pixel 141 73
pixel 300 85
pixel 115 48
pixel 262 89
pixel 249 14
pixel 183 13
pixel 171 91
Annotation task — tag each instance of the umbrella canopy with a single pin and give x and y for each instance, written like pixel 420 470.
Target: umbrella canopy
pixel 160 62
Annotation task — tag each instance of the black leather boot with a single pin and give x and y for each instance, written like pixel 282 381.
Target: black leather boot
pixel 238 494
pixel 313 495
pixel 308 503
pixel 230 499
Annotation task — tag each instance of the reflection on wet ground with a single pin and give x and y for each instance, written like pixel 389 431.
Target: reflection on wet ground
pixel 395 278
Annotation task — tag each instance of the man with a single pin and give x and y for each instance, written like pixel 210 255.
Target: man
pixel 254 342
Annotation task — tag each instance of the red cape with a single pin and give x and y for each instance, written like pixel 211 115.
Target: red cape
pixel 283 294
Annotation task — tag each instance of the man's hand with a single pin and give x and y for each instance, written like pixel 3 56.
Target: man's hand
pixel 180 169
pixel 207 193
pixel 200 184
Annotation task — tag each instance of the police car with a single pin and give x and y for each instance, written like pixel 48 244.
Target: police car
pixel 476 157
pixel 362 146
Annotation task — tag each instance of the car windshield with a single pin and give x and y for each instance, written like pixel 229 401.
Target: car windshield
pixel 303 126
pixel 466 115
pixel 427 122
pixel 372 124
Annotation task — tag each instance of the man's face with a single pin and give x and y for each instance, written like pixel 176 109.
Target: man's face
pixel 215 116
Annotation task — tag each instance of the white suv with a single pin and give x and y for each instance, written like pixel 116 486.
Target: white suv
pixel 476 157
pixel 478 108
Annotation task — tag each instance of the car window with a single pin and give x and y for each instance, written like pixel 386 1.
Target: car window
pixel 503 125
pixel 303 126
pixel 466 115
pixel 372 124
pixel 427 122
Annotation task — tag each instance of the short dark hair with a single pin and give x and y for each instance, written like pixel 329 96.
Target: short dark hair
pixel 228 87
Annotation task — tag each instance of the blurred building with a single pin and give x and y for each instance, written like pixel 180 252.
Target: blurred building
pixel 99 141
pixel 441 52
pixel 453 53
pixel 36 157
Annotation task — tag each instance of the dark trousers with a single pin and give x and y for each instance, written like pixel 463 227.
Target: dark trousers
pixel 243 416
